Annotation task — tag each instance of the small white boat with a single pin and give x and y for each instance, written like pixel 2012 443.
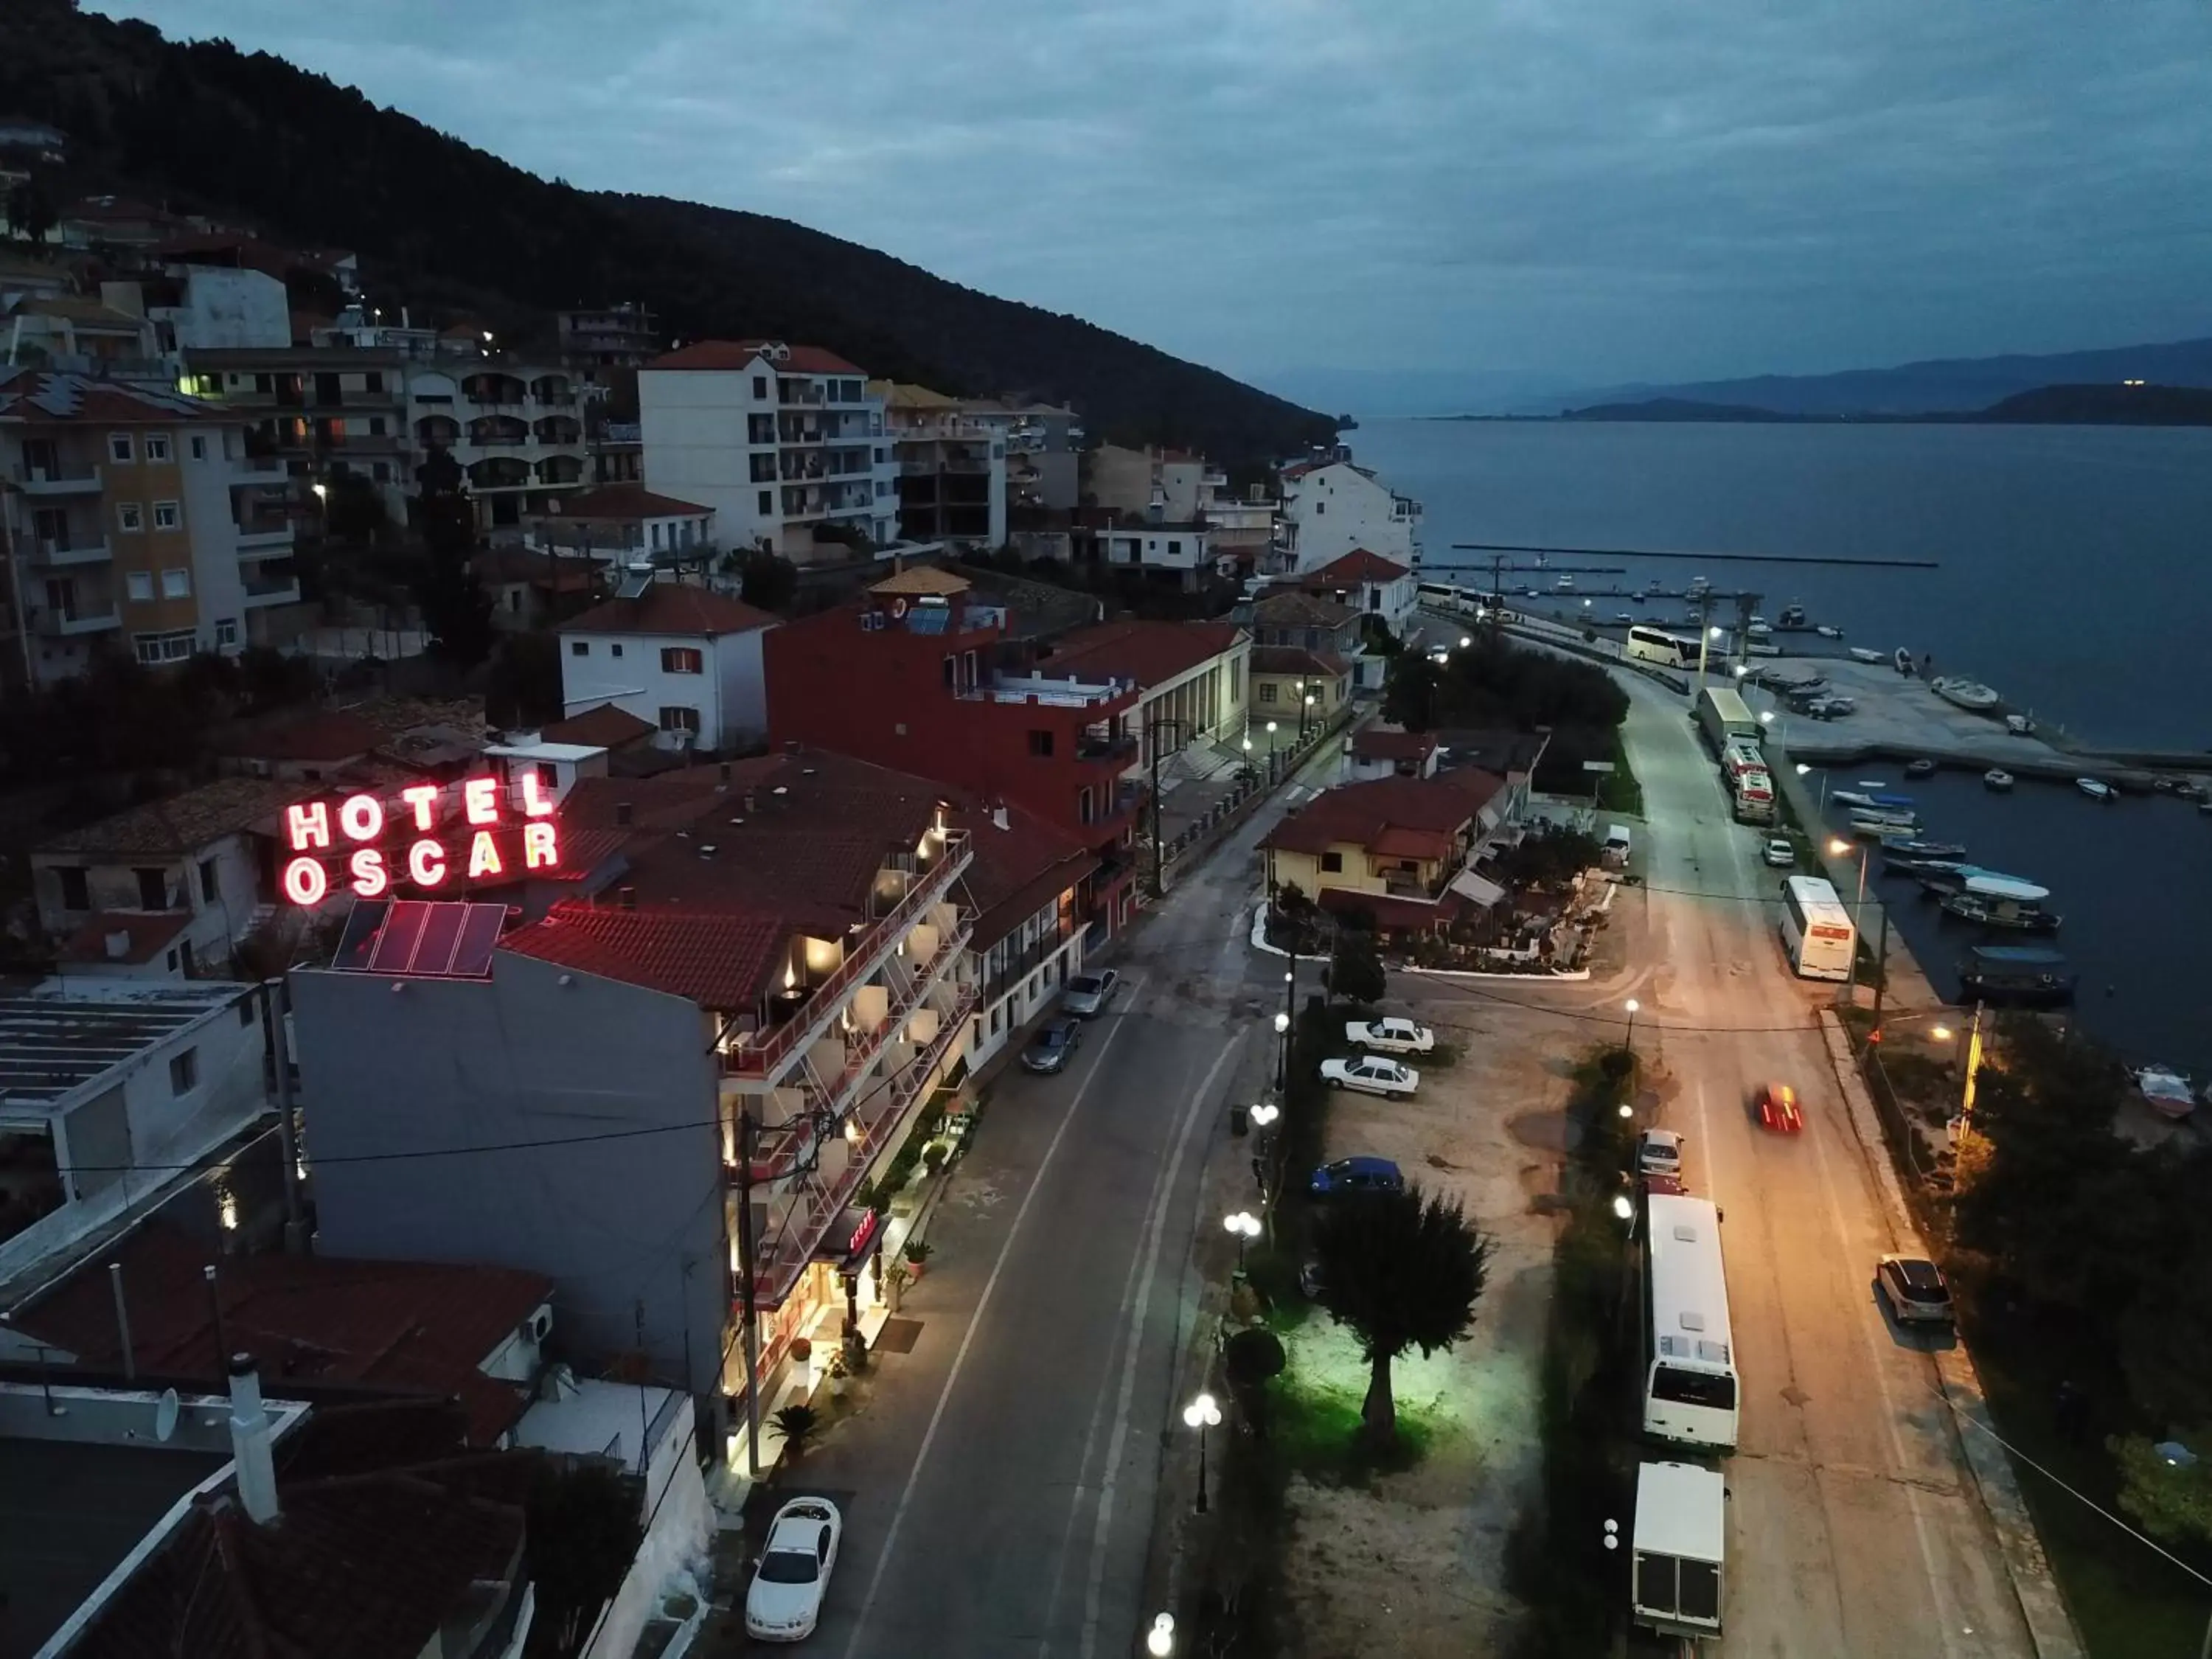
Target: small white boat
pixel 1863 654
pixel 1759 630
pixel 1970 695
pixel 2021 725
pixel 2167 1091
pixel 1903 658
pixel 1871 803
pixel 1998 778
pixel 1830 631
pixel 2096 789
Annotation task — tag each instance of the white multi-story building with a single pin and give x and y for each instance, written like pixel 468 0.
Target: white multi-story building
pixel 779 441
pixel 1333 508
pixel 684 658
pixel 951 466
pixel 517 429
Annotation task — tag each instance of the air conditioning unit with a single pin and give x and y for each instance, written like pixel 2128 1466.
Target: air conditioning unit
pixel 540 1325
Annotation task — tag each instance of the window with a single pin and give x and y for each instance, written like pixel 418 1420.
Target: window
pixel 138 586
pixel 682 660
pixel 184 1071
pixel 157 447
pixel 129 517
pixel 1041 743
pixel 676 718
pixel 1332 863
pixel 1174 550
pixel 156 648
pixel 767 503
pixel 225 632
pixel 882 453
pixel 1266 690
pixel 185 951
pixel 883 488
pixel 760 385
pixel 376 426
pixel 199 449
pixel 656 529
pixel 1084 810
pixel 372 380
pixel 77 892
pixel 210 891
pixel 167 515
pixel 120 447
pixel 580 647
pixel 615 649
pixel 760 429
pixel 1320 507
pixel 176 584
pixel 153 889
pixel 762 468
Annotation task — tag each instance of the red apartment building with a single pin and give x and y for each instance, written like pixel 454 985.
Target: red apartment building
pixel 911 676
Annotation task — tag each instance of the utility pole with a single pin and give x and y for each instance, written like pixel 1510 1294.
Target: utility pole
pixel 1152 729
pixel 280 1061
pixel 748 1139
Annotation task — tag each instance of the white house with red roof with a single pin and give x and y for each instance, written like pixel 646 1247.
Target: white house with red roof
pixel 682 657
pixel 776 440
pixel 1331 508
pixel 1371 585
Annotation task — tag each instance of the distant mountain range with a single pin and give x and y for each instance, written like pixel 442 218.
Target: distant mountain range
pixel 2105 403
pixel 1943 385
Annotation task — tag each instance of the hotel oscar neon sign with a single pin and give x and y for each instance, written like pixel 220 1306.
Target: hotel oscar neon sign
pixel 392 843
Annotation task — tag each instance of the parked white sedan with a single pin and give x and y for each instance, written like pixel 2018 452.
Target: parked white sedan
pixel 1393 1036
pixel 1371 1074
pixel 785 1601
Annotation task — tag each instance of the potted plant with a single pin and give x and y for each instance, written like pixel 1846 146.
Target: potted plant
pixel 932 1157
pixel 917 1252
pixel 895 1283
pixel 838 1374
pixel 797 1426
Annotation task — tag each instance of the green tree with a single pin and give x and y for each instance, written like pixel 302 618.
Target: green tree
pixel 1355 972
pixel 1403 1272
pixel 456 609
pixel 582 1531
pixel 798 1426
pixel 768 579
pixel 2171 1501
pixel 1409 694
pixel 1251 1359
pixel 353 510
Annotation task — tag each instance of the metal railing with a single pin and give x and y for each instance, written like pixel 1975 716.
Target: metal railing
pixel 759 1053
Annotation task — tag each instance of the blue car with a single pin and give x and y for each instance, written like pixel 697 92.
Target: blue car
pixel 1356 1175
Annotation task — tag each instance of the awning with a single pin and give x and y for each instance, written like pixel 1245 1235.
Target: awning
pixel 1481 890
pixel 847 1241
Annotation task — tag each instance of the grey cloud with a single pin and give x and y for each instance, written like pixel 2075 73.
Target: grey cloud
pixel 1592 188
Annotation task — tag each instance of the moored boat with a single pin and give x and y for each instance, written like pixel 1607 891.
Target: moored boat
pixel 1830 631
pixel 1898 849
pixel 2096 789
pixel 1793 616
pixel 2166 1090
pixel 2002 902
pixel 1971 694
pixel 1862 653
pixel 1996 778
pixel 1902 660
pixel 2016 976
pixel 1920 769
pixel 1871 800
pixel 1941 876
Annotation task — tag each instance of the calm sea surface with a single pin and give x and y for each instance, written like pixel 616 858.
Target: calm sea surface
pixel 2075 575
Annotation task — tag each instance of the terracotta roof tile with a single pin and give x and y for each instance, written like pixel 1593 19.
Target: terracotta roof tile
pixel 604 727
pixel 744 354
pixel 1296 660
pixel 1363 814
pixel 1017 869
pixel 325 734
pixel 1300 610
pixel 1388 743
pixel 183 823
pixel 1358 566
pixel 1149 652
pixel 623 502
pixel 671 608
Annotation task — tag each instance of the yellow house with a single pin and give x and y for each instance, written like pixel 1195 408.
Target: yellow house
pixel 1392 845
pixel 1285 678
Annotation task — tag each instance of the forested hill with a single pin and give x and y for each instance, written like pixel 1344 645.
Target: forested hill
pixel 205 127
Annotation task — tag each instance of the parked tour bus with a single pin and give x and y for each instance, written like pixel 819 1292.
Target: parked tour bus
pixel 1689 1377
pixel 1816 929
pixel 1650 645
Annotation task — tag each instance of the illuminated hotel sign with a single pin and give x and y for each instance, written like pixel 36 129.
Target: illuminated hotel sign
pixel 432 837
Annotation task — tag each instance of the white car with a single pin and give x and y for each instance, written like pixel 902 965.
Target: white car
pixel 1371 1074
pixel 1393 1036
pixel 1659 1152
pixel 793 1571
pixel 1779 852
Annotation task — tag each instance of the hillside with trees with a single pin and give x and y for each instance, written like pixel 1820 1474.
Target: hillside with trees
pixel 248 137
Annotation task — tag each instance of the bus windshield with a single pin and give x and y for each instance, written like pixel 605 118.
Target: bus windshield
pixel 1687 1388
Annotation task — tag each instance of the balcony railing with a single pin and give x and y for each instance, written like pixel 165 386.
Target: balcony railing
pixel 762 1054
pixel 778 1262
pixel 74 550
pixel 41 480
pixel 1026 961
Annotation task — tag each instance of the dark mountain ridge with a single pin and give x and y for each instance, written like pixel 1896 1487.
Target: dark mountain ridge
pixel 2128 404
pixel 248 135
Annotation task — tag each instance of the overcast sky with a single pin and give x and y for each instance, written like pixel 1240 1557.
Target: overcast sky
pixel 1570 191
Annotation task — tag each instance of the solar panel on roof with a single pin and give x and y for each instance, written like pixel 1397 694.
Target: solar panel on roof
pixel 479 937
pixel 634 584
pixel 441 930
pixel 362 924
pixel 394 952
pixel 927 619
pixel 420 939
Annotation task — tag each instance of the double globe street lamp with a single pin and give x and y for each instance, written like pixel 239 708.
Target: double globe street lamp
pixel 1202 1414
pixel 1245 1225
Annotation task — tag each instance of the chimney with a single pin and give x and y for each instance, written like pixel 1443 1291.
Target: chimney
pixel 999 818
pixel 622 814
pixel 250 1440
pixel 118 943
pixel 627 898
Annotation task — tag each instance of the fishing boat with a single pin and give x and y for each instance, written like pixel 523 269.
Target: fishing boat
pixel 2016 976
pixel 1971 694
pixel 1903 659
pixel 1830 631
pixel 2166 1090
pixel 1793 616
pixel 2096 789
pixel 1905 848
pixel 1862 653
pixel 2021 725
pixel 2002 902
pixel 1867 826
pixel 1870 802
pixel 1940 877
pixel 1920 769
pixel 1996 778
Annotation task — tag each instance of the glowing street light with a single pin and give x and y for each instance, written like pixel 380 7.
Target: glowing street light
pixel 1245 1225
pixel 1632 1005
pixel 1202 1414
pixel 1465 640
pixel 1159 1640
pixel 1267 1111
pixel 1622 1209
pixel 1282 1050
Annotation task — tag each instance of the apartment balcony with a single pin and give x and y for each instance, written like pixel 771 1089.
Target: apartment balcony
pixel 37 480
pixel 260 539
pixel 66 624
pixel 795 1234
pixel 764 1054
pixel 272 588
pixel 791 435
pixel 74 550
pixel 787 392
pixel 259 471
pixel 1122 748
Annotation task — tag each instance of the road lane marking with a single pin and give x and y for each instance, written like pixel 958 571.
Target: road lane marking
pixel 966 1341
pixel 1108 1474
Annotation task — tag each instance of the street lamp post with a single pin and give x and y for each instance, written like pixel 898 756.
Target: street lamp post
pixel 1159 1640
pixel 1705 645
pixel 1244 1225
pixel 1282 1052
pixel 1839 848
pixel 1633 1005
pixel 1822 809
pixel 1202 1414
pixel 1263 1118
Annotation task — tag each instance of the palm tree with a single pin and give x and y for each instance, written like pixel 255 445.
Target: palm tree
pixel 1403 1272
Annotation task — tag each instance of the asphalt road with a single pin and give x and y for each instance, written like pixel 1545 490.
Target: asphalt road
pixel 999 1483
pixel 1855 1529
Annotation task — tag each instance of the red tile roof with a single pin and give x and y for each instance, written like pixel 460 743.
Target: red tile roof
pixel 389 1532
pixel 1017 869
pixel 667 607
pixel 1296 660
pixel 1390 911
pixel 1385 743
pixel 1356 567
pixel 1149 652
pixel 744 354
pixel 407 1327
pixel 624 503
pixel 719 962
pixel 1404 812
pixel 325 734
pixel 185 822
pixel 149 935
pixel 604 727
pixel 1294 609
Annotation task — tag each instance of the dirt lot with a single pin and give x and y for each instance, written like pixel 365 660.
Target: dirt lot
pixel 1414 1563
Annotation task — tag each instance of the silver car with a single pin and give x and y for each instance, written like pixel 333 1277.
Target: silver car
pixel 1087 994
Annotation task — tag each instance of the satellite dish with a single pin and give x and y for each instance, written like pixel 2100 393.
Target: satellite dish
pixel 165 1415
